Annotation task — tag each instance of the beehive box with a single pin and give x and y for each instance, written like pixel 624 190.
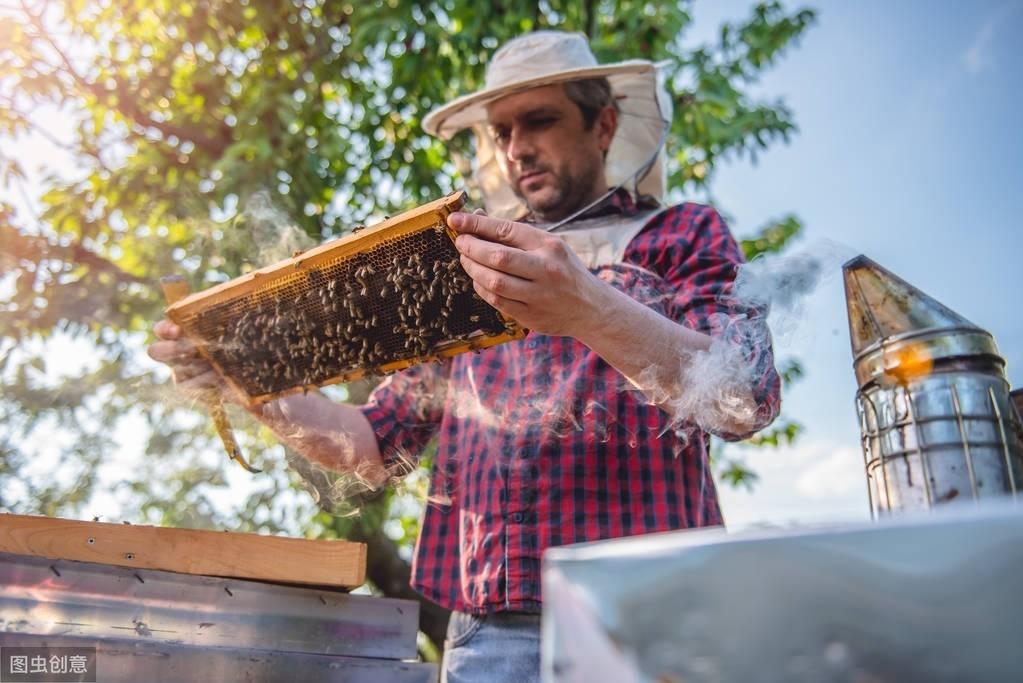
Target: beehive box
pixel 380 300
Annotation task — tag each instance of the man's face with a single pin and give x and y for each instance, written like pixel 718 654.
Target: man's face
pixel 548 157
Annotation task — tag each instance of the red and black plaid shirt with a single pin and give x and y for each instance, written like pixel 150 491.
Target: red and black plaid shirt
pixel 542 443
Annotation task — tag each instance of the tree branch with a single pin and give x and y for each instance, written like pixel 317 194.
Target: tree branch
pixel 125 103
pixel 19 246
pixel 34 127
pixel 590 19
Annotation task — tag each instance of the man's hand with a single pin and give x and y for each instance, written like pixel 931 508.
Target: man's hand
pixel 528 274
pixel 191 372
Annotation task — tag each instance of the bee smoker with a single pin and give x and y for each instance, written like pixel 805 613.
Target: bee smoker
pixel 936 417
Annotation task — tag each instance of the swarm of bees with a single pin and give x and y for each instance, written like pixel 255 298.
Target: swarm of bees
pixel 402 299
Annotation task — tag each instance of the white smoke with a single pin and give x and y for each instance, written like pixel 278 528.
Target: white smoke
pixel 273 234
pixel 782 283
pixel 710 388
pixel 779 281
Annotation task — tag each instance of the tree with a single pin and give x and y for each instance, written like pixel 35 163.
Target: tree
pixel 181 112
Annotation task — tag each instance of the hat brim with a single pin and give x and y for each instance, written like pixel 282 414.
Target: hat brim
pixel 470 110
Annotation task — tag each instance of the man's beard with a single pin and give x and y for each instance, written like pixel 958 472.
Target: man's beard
pixel 571 192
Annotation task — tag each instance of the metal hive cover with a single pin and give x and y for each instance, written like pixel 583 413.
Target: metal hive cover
pixel 931 597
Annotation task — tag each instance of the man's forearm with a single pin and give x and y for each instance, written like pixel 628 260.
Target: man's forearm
pixel 539 281
pixel 653 352
pixel 334 435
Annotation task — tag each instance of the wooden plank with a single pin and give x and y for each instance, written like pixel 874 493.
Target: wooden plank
pixel 188 551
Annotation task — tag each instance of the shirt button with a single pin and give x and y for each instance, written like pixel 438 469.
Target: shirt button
pixel 516 517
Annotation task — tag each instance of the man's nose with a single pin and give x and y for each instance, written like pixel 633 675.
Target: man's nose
pixel 520 146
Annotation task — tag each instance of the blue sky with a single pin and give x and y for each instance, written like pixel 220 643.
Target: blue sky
pixel 910 151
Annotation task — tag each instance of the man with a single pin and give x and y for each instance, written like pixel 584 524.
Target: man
pixel 595 425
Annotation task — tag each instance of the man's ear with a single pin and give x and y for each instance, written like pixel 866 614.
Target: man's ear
pixel 606 125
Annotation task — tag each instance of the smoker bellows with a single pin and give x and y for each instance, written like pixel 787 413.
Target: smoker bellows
pixel 388 297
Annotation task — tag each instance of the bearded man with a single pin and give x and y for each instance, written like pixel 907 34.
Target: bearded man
pixel 596 424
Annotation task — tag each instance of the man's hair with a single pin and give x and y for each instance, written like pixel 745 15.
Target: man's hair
pixel 591 95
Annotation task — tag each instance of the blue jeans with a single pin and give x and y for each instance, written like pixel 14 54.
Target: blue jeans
pixel 503 647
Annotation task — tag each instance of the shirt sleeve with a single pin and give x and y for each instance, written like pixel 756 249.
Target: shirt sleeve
pixel 694 251
pixel 405 411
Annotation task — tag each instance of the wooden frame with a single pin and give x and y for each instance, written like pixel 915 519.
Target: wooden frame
pixel 428 216
pixel 187 551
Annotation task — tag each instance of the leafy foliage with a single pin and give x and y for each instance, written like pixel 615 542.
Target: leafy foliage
pixel 182 111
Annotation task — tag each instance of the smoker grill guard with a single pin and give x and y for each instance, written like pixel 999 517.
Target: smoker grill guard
pixel 936 418
pixel 381 300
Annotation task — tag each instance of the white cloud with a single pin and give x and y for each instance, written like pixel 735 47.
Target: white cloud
pixel 833 471
pixel 977 57
pixel 817 480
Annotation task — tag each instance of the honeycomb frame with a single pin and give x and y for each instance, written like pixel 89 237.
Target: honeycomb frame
pixel 374 302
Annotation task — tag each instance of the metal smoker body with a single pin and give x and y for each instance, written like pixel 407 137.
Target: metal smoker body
pixel 936 418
